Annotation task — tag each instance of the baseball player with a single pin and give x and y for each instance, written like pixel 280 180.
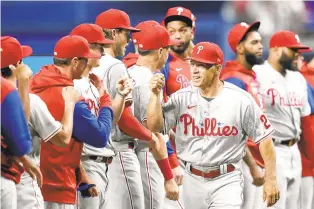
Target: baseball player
pixel 307 141
pixel 41 124
pixel 130 60
pixel 246 42
pixel 213 120
pixel 125 166
pixel 285 99
pixel 96 160
pixel 153 42
pixel 61 166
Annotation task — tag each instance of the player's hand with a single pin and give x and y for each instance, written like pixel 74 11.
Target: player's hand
pixel 97 82
pixel 271 193
pixel 93 191
pixel 157 83
pixel 69 94
pixel 258 175
pixel 125 86
pixel 172 189
pixel 178 175
pixel 154 142
pixel 22 71
pixel 32 169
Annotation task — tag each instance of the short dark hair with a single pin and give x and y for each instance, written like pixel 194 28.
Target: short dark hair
pixel 98 46
pixel 61 61
pixel 143 52
pixel 245 35
pixel 6 72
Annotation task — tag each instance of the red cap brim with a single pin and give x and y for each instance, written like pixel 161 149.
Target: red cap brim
pixel 26 50
pixel 132 29
pixel 301 47
pixel 305 50
pixel 203 60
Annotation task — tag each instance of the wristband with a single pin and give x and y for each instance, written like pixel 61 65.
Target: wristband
pixel 165 168
pixel 173 160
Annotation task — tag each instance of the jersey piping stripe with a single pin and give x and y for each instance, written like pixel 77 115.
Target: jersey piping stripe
pixel 52 134
pixel 265 137
pixel 126 180
pixel 148 180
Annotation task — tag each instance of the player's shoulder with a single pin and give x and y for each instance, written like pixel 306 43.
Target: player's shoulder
pixel 234 92
pixel 262 68
pixel 6 87
pixel 35 101
pixel 190 90
pixel 140 74
pixel 296 75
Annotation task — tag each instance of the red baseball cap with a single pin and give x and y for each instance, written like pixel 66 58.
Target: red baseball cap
pixel 155 37
pixel 141 26
pixel 12 51
pixel 207 52
pixel 74 46
pixel 287 39
pixel 92 33
pixel 305 50
pixel 238 31
pixel 180 13
pixel 114 18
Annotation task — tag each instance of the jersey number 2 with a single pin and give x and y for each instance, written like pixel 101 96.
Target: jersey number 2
pixel 265 121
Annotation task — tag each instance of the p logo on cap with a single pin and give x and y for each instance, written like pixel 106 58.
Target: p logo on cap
pixel 199 48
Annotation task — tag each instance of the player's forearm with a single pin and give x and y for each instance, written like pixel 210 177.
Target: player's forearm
pixel 154 113
pixel 63 137
pixel 268 153
pixel 117 107
pixel 132 127
pixel 249 159
pixel 23 84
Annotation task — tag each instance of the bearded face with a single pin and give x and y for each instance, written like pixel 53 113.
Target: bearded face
pixel 253 59
pixel 288 60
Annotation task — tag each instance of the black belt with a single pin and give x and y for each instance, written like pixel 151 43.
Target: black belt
pixel 288 143
pixel 101 159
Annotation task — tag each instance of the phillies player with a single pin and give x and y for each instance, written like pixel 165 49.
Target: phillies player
pixel 153 44
pixel 96 160
pixel 307 140
pixel 213 120
pixel 130 60
pixel 61 166
pixel 41 124
pixel 246 42
pixel 285 100
pixel 125 166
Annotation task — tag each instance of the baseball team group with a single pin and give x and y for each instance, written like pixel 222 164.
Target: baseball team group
pixel 171 126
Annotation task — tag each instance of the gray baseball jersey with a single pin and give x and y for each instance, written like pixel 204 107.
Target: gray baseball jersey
pixel 285 100
pixel 211 133
pixel 109 71
pixel 87 90
pixel 42 125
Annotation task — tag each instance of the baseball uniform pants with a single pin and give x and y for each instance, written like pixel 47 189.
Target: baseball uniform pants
pixel 28 193
pixel 222 192
pixel 289 168
pixel 152 179
pixel 306 193
pixel 253 195
pixel 125 189
pixel 97 172
pixel 8 194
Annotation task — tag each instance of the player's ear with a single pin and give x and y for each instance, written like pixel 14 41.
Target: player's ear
pixel 113 33
pixel 218 69
pixel 240 48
